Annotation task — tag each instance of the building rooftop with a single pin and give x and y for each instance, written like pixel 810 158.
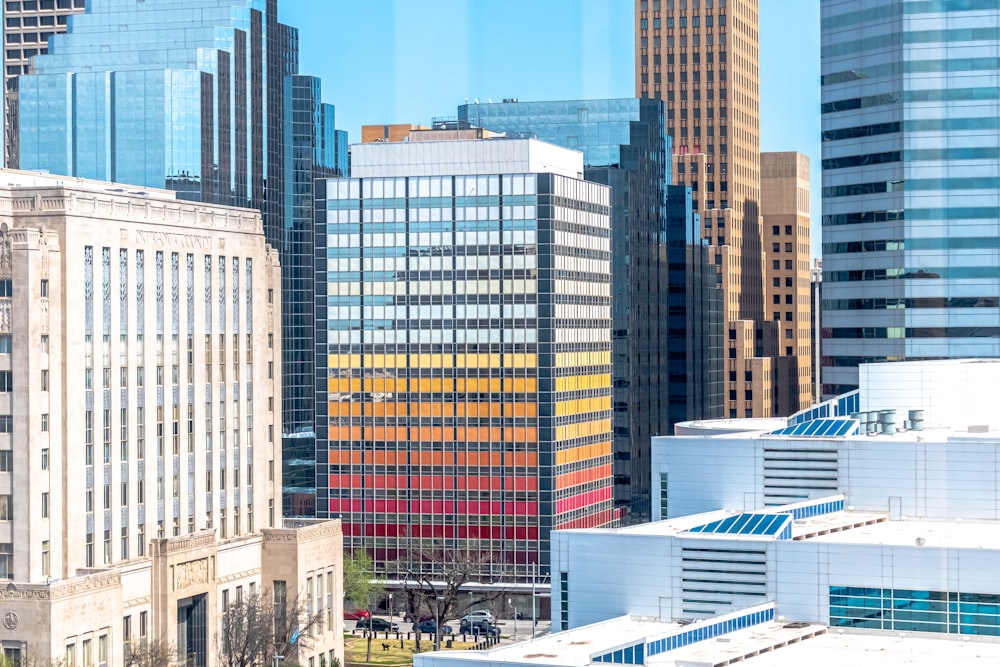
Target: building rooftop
pixel 779 643
pixel 834 648
pixel 741 645
pixel 915 532
pixel 464 157
pixel 13 178
pixel 571 648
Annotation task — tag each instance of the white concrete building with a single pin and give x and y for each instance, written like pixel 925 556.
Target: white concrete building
pixel 140 357
pixel 767 643
pixel 946 470
pixel 848 542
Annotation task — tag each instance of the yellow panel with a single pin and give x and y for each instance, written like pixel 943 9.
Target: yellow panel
pixel 583 453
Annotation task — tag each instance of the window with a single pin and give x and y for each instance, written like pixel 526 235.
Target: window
pixel 6 381
pixel 45 558
pixel 45 505
pixel 89 548
pixel 45 289
pixel 70 655
pixel 6 508
pixel 45 422
pixel 141 548
pixel 6 560
pixel 87 656
pixel 5 343
pixel 6 424
pixel 45 344
pixel 45 379
pixel 7 460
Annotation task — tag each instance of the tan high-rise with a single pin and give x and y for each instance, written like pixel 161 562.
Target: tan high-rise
pixel 701 57
pixel 784 190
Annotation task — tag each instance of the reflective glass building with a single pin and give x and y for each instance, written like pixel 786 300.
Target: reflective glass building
pixel 201 97
pixel 911 179
pixel 464 351
pixel 666 306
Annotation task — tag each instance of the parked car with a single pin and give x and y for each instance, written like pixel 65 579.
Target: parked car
pixel 480 615
pixel 356 614
pixel 430 625
pixel 412 618
pixel 378 625
pixel 478 627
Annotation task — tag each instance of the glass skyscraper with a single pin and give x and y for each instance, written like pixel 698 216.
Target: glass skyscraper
pixel 201 97
pixel 464 352
pixel 911 178
pixel 666 306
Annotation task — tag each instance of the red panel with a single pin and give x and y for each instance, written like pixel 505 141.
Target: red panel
pixel 582 500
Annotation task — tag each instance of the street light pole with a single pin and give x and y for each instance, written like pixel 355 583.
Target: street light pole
pixel 514 609
pixel 275 659
pixel 390 611
pixel 534 611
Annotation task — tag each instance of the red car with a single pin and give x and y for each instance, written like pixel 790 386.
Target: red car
pixel 357 615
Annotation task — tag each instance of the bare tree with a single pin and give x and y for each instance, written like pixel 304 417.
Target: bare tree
pixel 441 573
pixel 255 628
pixel 149 653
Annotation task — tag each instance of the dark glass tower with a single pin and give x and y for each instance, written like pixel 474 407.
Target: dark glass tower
pixel 666 304
pixel 201 97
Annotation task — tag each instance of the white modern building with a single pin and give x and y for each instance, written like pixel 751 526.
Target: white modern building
pixel 755 638
pixel 140 366
pixel 945 470
pixel 863 531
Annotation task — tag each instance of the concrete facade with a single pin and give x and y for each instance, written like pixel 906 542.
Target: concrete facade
pixel 140 394
pixel 91 617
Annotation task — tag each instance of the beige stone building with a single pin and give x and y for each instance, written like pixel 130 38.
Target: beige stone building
pixel 701 57
pixel 140 353
pixel 785 207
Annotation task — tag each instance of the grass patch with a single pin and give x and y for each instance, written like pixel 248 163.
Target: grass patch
pixel 356 650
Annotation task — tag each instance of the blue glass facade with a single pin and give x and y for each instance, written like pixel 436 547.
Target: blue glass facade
pixel 201 97
pixel 911 173
pixel 667 352
pixel 310 152
pixel 946 612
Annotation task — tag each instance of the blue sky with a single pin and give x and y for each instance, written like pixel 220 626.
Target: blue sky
pixel 408 61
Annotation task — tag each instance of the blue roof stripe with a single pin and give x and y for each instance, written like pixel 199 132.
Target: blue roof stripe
pixel 820 428
pixel 755 523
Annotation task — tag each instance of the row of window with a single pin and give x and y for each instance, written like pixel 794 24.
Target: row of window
pixel 44 5
pixel 925 302
pixel 913 332
pixel 942 273
pixel 915 610
pixel 893 10
pixel 682 22
pixel 681 4
pixel 125 553
pixel 897 38
pixel 944 65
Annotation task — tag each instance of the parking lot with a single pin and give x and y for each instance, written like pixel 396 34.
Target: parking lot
pixel 511 631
